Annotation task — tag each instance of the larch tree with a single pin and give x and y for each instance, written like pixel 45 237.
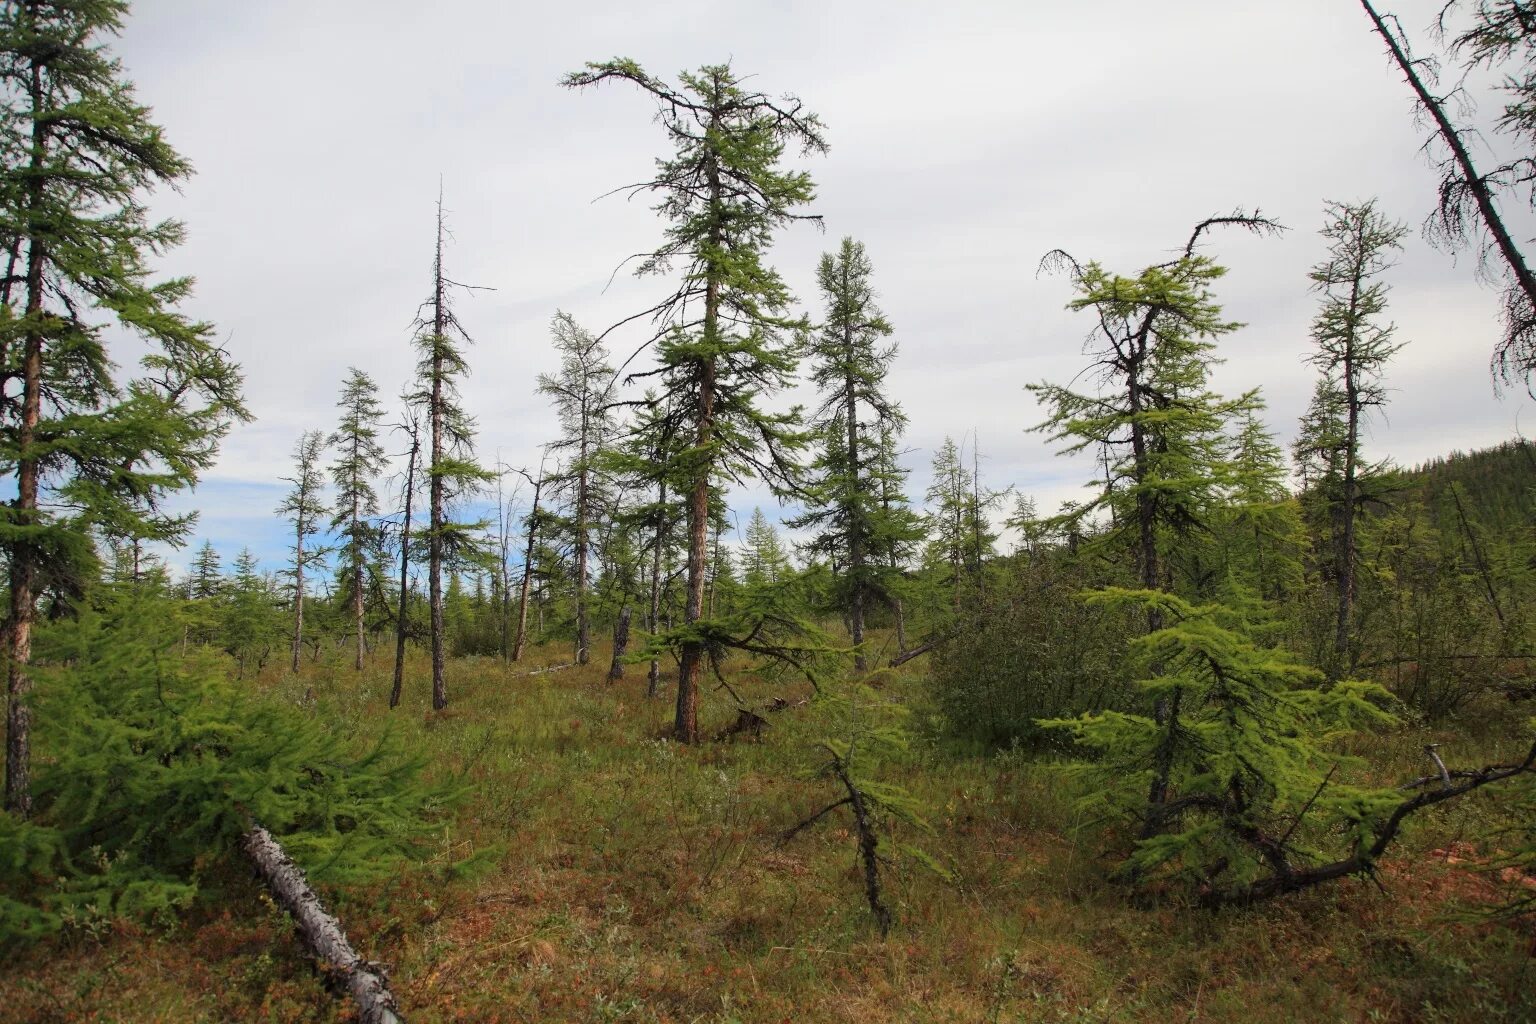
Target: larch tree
pixel 582 393
pixel 450 468
pixel 1353 347
pixel 849 362
pixel 1160 428
pixel 359 460
pixel 89 451
pixel 303 506
pixel 411 427
pixel 721 334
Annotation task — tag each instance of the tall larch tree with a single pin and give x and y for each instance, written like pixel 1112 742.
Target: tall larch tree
pixel 89 451
pixel 849 362
pixel 582 393
pixel 722 341
pixel 451 471
pixel 302 507
pixel 359 460
pixel 1353 347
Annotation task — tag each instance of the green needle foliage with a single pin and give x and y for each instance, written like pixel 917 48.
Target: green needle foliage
pixel 865 733
pixel 1247 751
pixel 88 450
pixel 725 338
pixel 359 461
pixel 154 765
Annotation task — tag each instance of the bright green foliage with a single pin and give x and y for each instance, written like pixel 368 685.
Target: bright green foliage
pixel 152 767
pixel 1158 427
pixel 864 732
pixel 1247 749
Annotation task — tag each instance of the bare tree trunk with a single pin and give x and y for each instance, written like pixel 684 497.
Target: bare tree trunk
pixel 435 536
pixel 298 593
pixel 686 724
pixel 522 601
pixel 620 644
pixel 583 627
pixel 321 933
pixel 402 618
pixel 653 684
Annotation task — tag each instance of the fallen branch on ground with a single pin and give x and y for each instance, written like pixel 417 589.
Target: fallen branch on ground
pixel 321 933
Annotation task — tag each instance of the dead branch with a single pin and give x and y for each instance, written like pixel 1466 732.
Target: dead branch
pixel 321 933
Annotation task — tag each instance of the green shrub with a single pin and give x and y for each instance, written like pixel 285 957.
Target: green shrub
pixel 152 765
pixel 1029 648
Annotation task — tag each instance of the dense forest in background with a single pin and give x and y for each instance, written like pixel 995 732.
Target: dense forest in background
pixel 1230 678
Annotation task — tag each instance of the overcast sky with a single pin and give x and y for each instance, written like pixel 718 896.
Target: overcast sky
pixel 966 140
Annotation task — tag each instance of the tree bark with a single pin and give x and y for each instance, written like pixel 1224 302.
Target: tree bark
pixel 653 683
pixel 435 536
pixel 620 644
pixel 522 600
pixel 18 734
pixel 402 617
pixel 321 933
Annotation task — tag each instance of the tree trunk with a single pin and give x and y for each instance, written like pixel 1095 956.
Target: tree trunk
pixel 583 628
pixel 856 525
pixel 18 735
pixel 653 682
pixel 321 933
pixel 402 618
pixel 522 601
pixel 298 593
pixel 620 644
pixel 435 537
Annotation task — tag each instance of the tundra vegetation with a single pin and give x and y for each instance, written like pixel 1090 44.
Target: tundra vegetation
pixel 1241 734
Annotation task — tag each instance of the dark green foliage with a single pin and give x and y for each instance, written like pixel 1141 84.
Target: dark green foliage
pixel 1029 649
pixel 152 766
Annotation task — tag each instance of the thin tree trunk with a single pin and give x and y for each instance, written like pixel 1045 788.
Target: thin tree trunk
pixel 653 683
pixel 402 618
pixel 435 537
pixel 583 628
pixel 298 591
pixel 620 644
pixel 522 601
pixel 691 668
pixel 855 500
pixel 18 735
pixel 321 933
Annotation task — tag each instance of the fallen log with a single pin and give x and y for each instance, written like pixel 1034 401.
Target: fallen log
pixel 321 933
pixel 920 649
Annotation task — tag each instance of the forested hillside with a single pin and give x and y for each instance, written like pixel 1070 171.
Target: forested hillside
pixel 733 705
